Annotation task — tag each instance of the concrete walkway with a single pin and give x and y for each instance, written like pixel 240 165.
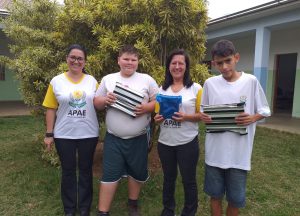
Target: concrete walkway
pixel 13 108
pixel 281 122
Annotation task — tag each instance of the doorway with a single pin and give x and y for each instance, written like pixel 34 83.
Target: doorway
pixel 284 83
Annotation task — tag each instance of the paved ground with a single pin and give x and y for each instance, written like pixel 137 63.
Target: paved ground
pixel 280 122
pixel 13 108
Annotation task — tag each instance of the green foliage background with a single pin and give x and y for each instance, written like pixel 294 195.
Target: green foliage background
pixel 42 30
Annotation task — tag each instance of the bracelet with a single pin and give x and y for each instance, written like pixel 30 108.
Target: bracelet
pixel 49 135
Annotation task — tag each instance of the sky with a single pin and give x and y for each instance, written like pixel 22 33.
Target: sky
pixel 219 8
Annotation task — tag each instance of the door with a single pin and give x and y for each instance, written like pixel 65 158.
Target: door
pixel 284 83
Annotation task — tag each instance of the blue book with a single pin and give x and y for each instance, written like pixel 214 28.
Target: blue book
pixel 168 105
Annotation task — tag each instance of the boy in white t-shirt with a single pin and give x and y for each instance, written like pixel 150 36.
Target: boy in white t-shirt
pixel 228 154
pixel 125 151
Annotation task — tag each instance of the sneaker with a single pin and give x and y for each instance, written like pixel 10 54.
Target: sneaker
pixel 167 212
pixel 102 213
pixel 84 213
pixel 133 211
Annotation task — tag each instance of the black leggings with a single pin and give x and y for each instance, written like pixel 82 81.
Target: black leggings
pixel 186 156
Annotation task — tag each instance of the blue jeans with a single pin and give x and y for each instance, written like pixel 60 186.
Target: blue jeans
pixel 186 157
pixel 231 182
pixel 67 150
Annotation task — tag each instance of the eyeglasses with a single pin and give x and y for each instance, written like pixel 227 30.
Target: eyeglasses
pixel 74 58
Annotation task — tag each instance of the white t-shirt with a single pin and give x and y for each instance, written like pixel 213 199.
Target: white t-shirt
pixel 173 133
pixel 117 122
pixel 228 149
pixel 75 116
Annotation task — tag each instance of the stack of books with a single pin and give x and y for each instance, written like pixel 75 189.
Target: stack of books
pixel 223 118
pixel 127 99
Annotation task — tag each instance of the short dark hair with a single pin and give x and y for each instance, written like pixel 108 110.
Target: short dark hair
pixel 223 48
pixel 187 81
pixel 128 49
pixel 79 47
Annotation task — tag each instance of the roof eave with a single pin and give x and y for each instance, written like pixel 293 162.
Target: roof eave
pixel 253 12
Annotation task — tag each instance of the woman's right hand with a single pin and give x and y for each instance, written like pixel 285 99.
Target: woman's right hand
pixel 48 142
pixel 158 118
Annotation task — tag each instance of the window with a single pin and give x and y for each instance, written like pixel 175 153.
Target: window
pixel 2 72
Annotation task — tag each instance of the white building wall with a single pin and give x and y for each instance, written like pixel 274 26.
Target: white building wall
pixel 284 42
pixel 245 46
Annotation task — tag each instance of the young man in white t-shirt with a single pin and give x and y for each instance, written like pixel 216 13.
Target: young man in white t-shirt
pixel 228 154
pixel 125 145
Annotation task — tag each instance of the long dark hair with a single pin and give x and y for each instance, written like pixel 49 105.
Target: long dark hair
pixel 187 81
pixel 81 48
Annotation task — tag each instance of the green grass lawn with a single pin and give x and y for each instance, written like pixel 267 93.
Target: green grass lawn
pixel 30 186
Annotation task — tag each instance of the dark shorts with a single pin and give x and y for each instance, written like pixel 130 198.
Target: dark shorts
pixel 231 182
pixel 125 157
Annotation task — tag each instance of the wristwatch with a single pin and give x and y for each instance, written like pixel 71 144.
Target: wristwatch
pixel 49 135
